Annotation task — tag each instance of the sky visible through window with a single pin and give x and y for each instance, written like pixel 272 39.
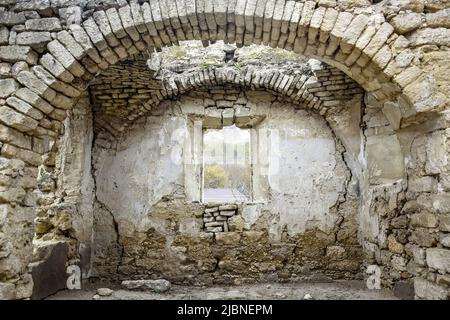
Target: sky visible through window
pixel 226 165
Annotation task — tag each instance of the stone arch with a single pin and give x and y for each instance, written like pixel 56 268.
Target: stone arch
pixel 364 48
pixel 306 91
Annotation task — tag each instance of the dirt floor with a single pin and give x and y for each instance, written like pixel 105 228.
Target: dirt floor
pixel 338 290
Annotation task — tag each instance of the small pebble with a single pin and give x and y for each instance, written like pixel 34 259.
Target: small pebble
pixel 96 297
pixel 307 297
pixel 280 295
pixel 104 292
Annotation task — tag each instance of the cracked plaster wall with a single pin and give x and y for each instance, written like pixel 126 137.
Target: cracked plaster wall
pixel 306 227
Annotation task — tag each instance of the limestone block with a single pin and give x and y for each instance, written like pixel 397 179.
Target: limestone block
pixel 440 18
pixel 293 23
pixel 95 34
pixel 424 94
pixel 214 229
pixel 382 57
pixel 102 22
pixel 445 241
pixel 84 41
pixel 33 99
pixel 444 223
pixel 33 39
pixel 65 58
pixel 422 184
pixel 287 15
pixel 445 181
pixel 353 32
pixel 7 290
pixel 427 290
pixel 398 263
pixel 115 23
pixel 316 21
pixel 7 87
pixel 394 246
pixel 128 23
pixel 148 19
pixel 4 35
pixel 138 19
pixel 27 156
pixel 379 39
pixel 342 21
pixel 9 18
pixel 327 25
pixel 14 137
pixel 104 292
pixel 54 83
pixel 44 24
pixel 159 285
pixel 426 220
pixel 406 22
pixel 71 15
pixel 210 210
pixel 56 68
pixel 24 108
pixel 71 45
pixel 227 207
pixel 17 120
pixel 408 75
pixel 18 53
pixel 438 259
pixel 436 153
pixel 29 80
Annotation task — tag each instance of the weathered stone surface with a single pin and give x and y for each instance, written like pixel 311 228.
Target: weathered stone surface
pixel 44 24
pixel 438 259
pixel 104 292
pixel 428 290
pixel 433 36
pixel 29 80
pixel 24 108
pixel 17 120
pixel 4 35
pixel 394 246
pixel 11 18
pixel 65 58
pixel 437 19
pixel 8 86
pixel 445 241
pixel 422 184
pixel 159 285
pixel 56 68
pixel 18 53
pixel 14 137
pixel 406 22
pixel 33 99
pixel 427 220
pixel 33 39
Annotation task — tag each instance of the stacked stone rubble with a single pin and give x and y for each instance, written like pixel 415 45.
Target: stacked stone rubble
pixel 216 217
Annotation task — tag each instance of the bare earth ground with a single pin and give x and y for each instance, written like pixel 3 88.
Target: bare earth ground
pixel 338 290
